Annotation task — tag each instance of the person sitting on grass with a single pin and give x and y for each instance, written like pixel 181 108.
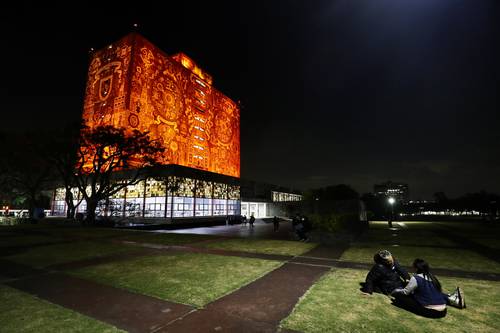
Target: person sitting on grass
pixel 423 295
pixel 386 275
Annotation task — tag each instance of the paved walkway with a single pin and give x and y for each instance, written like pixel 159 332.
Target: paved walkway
pixel 261 229
pixel 256 307
pixel 126 310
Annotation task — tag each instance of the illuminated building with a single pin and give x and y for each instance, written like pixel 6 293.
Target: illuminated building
pixel 134 85
pixel 267 200
pixel 398 191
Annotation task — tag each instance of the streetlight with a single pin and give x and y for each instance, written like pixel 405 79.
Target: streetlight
pixel 391 201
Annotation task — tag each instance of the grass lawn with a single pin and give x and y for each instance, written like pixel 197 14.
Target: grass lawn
pixel 437 257
pixel 20 240
pixel 79 232
pixel 266 246
pixel 21 312
pixel 194 279
pixel 335 304
pixel 167 238
pixel 62 253
pixel 417 240
pixel 489 241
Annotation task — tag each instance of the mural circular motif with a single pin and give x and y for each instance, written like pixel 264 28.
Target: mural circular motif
pixel 133 120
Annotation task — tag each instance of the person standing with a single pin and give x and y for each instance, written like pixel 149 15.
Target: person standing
pixel 252 220
pixel 276 223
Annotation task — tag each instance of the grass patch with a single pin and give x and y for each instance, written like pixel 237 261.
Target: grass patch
pixel 167 238
pixel 194 279
pixel 334 304
pixel 62 253
pixel 19 240
pixel 405 237
pixel 265 246
pixel 78 232
pixel 437 257
pixel 21 312
pixel 491 242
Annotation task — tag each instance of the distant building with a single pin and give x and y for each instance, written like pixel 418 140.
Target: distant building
pixel 398 191
pixel 265 200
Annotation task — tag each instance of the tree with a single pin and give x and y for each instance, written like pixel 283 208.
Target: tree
pixel 62 155
pixel 105 150
pixel 335 192
pixel 24 173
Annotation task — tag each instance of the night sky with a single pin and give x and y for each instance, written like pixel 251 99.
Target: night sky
pixel 355 92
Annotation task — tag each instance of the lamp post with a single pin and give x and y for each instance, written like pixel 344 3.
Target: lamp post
pixel 391 201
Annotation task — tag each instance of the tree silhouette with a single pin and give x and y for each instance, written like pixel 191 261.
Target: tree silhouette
pixel 24 173
pixel 62 155
pixel 105 150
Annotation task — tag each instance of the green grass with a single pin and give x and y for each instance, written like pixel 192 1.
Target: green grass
pixel 167 238
pixel 335 304
pixel 78 232
pixel 488 241
pixel 194 279
pixel 19 240
pixel 266 246
pixel 62 253
pixel 21 312
pixel 418 240
pixel 437 257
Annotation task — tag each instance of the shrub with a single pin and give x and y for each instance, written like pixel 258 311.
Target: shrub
pixel 335 222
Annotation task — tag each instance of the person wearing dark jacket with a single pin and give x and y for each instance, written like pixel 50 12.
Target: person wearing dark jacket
pixel 423 295
pixel 386 275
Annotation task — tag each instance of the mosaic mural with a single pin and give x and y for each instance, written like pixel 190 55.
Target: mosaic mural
pixel 133 84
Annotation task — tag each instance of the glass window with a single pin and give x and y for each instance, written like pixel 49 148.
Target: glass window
pixel 156 188
pixel 115 207
pixel 60 194
pixel 59 207
pixel 233 192
pixel 233 207
pixel 155 207
pixel 136 191
pixel 203 189
pixel 183 207
pixel 133 207
pixel 220 207
pixel 203 207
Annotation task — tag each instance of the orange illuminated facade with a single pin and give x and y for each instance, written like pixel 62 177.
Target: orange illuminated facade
pixel 133 84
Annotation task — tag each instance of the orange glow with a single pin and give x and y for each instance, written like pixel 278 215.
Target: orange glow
pixel 133 84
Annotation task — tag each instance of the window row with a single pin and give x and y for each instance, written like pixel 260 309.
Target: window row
pixel 157 207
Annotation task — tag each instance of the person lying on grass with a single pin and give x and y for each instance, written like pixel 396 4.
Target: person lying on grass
pixel 423 294
pixel 386 275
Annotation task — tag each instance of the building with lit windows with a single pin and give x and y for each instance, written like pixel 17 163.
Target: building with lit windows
pixel 266 200
pixel 134 85
pixel 398 191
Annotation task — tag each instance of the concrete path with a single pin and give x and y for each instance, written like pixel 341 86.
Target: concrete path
pixel 261 229
pixel 129 311
pixel 257 307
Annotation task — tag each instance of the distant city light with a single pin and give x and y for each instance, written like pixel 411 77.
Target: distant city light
pixel 391 200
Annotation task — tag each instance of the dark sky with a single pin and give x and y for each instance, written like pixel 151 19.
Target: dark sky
pixel 354 92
